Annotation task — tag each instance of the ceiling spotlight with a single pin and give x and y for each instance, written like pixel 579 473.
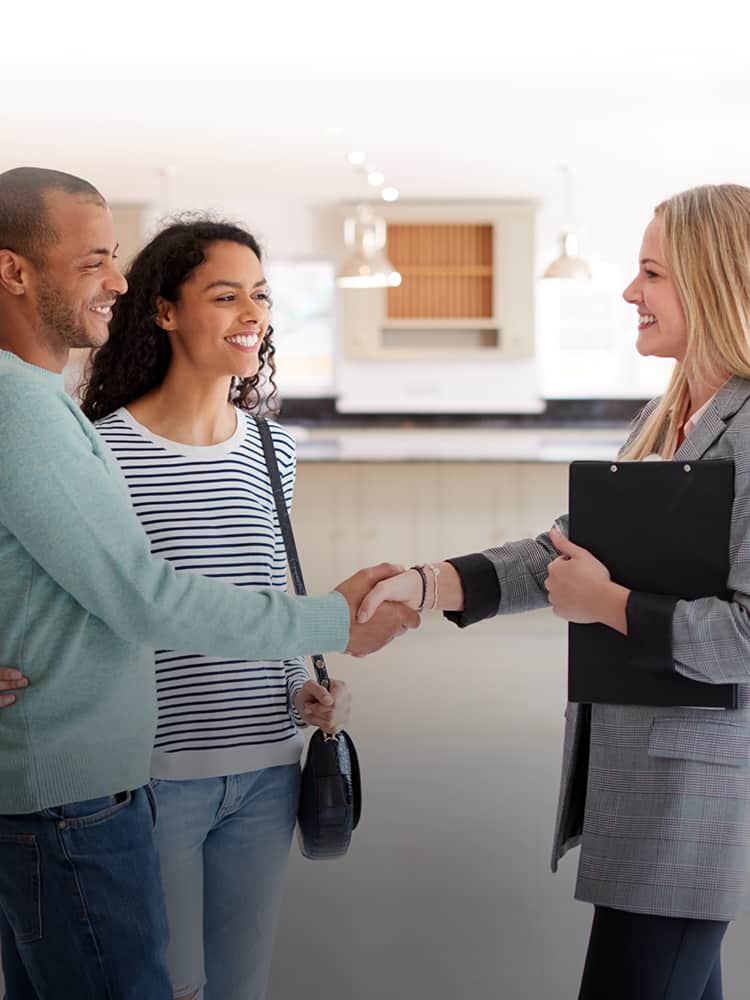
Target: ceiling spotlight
pixel 356 158
pixel 376 178
pixel 389 194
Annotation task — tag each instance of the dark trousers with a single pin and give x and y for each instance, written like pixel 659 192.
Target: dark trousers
pixel 632 956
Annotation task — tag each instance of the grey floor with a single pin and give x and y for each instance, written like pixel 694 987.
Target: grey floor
pixel 447 890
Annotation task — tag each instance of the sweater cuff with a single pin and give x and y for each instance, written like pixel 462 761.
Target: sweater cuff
pixel 481 590
pixel 649 618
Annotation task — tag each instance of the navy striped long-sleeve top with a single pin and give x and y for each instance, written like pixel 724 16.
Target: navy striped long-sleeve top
pixel 210 510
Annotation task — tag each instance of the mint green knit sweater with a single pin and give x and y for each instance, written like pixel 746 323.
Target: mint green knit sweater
pixel 83 605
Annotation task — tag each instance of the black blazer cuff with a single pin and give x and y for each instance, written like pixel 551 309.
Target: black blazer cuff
pixel 481 590
pixel 649 618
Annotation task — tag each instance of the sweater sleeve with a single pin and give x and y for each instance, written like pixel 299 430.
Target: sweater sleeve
pixel 65 502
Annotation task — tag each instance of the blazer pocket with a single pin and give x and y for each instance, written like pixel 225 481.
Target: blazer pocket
pixel 695 739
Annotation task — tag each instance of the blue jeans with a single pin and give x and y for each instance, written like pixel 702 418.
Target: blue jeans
pixel 224 847
pixel 81 908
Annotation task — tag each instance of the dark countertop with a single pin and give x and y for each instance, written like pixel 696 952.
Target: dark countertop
pixel 559 413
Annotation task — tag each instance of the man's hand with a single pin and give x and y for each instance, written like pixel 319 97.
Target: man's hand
pixel 389 621
pixel 329 710
pixel 10 680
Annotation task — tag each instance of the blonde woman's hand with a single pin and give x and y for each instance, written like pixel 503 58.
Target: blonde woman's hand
pixel 404 588
pixel 329 710
pixel 580 588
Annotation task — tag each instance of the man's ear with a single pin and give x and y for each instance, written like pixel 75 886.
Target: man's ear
pixel 165 317
pixel 15 272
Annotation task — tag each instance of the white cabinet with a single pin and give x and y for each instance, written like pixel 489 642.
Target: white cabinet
pixel 458 335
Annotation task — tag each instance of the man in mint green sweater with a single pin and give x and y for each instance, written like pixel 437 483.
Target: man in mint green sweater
pixel 83 605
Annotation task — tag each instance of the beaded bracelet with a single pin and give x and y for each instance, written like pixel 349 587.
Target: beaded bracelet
pixel 423 578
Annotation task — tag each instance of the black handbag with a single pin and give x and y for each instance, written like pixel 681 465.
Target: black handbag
pixel 331 792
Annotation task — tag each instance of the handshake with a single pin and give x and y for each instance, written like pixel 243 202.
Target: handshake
pixel 382 601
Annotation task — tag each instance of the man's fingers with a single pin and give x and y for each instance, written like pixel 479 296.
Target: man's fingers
pixel 387 622
pixel 13 685
pixel 411 618
pixel 6 699
pixel 11 679
pixel 383 571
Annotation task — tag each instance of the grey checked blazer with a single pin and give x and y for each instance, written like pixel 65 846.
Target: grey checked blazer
pixel 665 828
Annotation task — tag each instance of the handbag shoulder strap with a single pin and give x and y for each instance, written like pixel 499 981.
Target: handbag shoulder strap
pixel 286 531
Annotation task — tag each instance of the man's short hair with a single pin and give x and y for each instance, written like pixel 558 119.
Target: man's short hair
pixel 24 220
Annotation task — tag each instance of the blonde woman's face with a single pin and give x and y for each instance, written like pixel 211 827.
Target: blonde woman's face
pixel 662 329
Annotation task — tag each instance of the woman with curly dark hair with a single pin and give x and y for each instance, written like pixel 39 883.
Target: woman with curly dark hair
pixel 172 391
pixel 141 359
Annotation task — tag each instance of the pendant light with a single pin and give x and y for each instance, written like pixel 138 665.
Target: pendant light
pixel 568 264
pixel 366 264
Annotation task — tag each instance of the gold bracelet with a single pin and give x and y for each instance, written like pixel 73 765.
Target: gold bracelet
pixel 435 574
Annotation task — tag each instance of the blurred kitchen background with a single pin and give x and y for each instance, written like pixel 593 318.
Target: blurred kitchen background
pixel 507 160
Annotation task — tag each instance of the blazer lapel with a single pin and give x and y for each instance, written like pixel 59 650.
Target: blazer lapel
pixel 712 424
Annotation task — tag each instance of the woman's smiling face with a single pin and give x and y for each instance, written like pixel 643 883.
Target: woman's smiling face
pixel 662 328
pixel 221 316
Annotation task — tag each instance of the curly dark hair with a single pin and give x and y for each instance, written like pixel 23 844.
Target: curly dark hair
pixel 137 355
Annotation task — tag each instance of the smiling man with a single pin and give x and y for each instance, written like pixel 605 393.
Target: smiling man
pixel 74 278
pixel 83 605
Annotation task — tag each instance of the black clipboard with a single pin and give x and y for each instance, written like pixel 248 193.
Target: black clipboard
pixel 659 528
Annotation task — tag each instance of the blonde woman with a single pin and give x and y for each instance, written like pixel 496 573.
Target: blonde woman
pixel 659 799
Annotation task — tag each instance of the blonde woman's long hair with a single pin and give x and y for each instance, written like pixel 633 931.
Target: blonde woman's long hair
pixel 707 251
